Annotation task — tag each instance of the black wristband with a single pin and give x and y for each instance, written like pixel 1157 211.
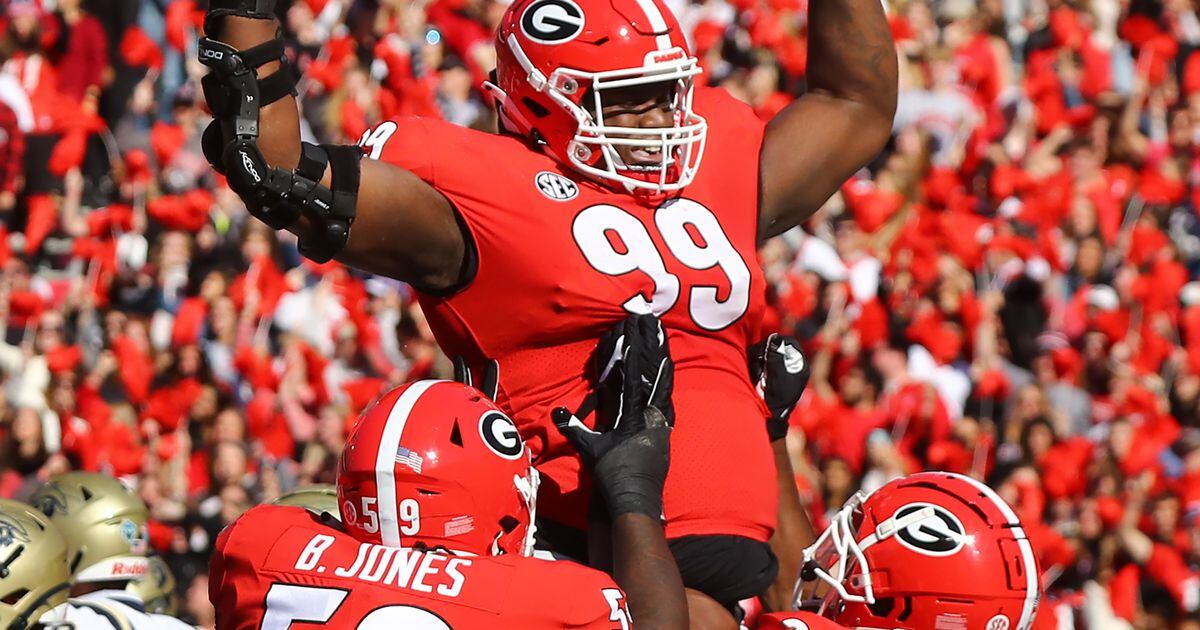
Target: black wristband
pixel 777 428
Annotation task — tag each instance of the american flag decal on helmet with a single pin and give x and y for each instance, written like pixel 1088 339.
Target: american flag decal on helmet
pixel 409 458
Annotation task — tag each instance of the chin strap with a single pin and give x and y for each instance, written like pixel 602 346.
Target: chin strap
pixel 278 197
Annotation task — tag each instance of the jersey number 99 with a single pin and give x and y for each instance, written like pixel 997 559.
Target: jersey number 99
pixel 676 221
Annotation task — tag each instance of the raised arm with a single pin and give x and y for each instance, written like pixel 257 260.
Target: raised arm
pixel 781 371
pixel 399 226
pixel 629 466
pixel 817 142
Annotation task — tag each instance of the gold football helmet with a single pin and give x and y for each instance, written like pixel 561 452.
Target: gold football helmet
pixel 33 565
pixel 104 524
pixel 320 498
pixel 156 588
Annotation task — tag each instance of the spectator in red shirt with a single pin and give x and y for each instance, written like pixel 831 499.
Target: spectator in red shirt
pixel 83 58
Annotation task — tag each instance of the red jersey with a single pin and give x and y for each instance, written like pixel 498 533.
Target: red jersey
pixel 561 259
pixel 796 621
pixel 279 567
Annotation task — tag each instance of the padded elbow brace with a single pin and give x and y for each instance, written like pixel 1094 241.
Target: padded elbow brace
pixel 276 196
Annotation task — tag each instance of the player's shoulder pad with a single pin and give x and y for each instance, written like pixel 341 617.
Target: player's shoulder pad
pixel 795 621
pixel 250 536
pixel 576 596
pixel 722 110
pixel 433 148
pixel 92 612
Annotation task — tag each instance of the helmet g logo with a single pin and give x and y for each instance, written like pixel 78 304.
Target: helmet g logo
pixel 500 434
pixel 938 533
pixel 552 21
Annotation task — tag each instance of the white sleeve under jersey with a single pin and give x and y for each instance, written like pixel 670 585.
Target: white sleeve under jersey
pixel 107 610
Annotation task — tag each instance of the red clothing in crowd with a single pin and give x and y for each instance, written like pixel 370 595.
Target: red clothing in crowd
pixel 12 150
pixel 84 59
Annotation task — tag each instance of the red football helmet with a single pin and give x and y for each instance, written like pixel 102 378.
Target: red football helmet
pixel 437 464
pixel 557 58
pixel 931 550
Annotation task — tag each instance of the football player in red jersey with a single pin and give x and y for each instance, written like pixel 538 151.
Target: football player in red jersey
pixel 436 495
pixel 931 550
pixel 617 187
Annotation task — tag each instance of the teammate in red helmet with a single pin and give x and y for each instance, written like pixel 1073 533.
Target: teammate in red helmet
pixel 931 550
pixel 436 495
pixel 617 186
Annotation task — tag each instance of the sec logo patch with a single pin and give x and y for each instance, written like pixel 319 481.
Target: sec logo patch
pixel 555 186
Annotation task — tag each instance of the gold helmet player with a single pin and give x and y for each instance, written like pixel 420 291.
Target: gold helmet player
pixel 156 588
pixel 33 565
pixel 104 523
pixel 318 498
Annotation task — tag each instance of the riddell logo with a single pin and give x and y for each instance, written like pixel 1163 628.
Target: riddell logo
pixel 122 569
pixel 663 56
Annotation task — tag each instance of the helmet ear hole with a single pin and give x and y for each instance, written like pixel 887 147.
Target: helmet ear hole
pixel 508 524
pixel 15 596
pixel 882 607
pixel 75 561
pixel 456 435
pixel 535 107
pixel 87 494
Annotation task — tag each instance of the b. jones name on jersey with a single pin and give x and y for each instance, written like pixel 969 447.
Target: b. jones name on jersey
pixel 405 568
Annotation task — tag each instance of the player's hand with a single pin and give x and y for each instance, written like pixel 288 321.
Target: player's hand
pixel 780 373
pixel 629 460
pixel 638 345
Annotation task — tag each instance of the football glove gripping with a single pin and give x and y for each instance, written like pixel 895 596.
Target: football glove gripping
pixel 630 455
pixel 638 345
pixel 780 372
pixel 276 196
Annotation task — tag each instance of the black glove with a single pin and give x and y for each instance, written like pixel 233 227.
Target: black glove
pixel 644 337
pixel 780 373
pixel 629 457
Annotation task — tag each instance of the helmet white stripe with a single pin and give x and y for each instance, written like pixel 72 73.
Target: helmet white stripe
pixel 657 23
pixel 385 461
pixel 1031 577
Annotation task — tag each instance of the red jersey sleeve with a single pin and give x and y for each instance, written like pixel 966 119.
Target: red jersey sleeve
pixel 570 595
pixel 235 587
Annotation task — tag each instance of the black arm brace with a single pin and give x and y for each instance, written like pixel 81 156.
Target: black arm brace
pixel 276 196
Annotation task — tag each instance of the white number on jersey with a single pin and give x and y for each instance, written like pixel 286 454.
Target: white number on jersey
pixel 616 606
pixel 375 139
pixel 594 227
pixel 287 603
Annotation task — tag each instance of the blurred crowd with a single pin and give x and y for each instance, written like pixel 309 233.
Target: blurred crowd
pixel 1007 291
